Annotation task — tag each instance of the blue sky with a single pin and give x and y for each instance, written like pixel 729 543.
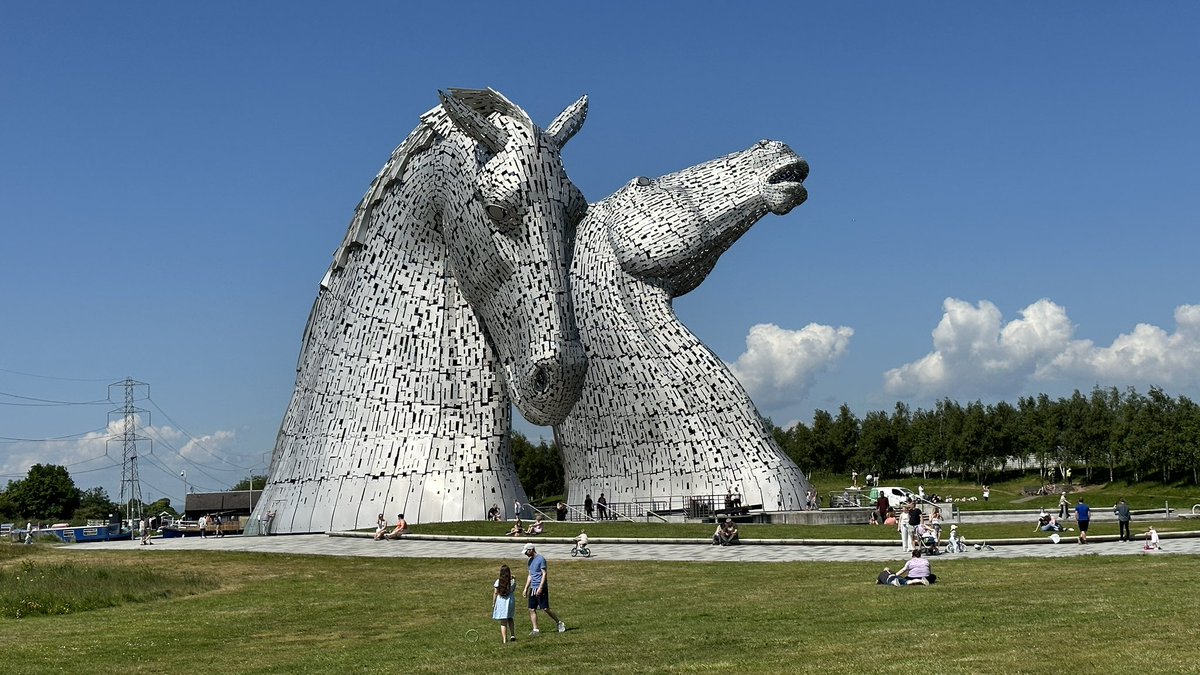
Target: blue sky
pixel 1001 199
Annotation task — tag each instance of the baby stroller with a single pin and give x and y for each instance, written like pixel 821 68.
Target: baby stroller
pixel 927 544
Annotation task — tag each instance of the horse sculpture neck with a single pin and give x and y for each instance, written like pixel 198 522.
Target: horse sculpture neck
pixel 660 415
pixel 419 341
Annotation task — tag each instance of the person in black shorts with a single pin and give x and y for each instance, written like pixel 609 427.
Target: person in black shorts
pixel 1082 517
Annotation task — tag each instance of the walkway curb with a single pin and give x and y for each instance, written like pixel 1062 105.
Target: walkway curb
pixel 652 541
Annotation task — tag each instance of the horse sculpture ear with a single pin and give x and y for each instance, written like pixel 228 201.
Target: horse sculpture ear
pixel 568 122
pixel 473 124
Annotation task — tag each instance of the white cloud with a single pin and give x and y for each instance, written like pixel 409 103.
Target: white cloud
pixel 779 365
pixel 95 458
pixel 1147 355
pixel 975 355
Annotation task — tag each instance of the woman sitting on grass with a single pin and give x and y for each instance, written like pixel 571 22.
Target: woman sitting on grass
pixel 536 527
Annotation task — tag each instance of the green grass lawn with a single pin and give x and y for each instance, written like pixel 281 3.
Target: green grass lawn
pixel 253 613
pixel 1007 493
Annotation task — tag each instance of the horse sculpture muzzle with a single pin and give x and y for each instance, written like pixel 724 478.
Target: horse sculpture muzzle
pixel 549 384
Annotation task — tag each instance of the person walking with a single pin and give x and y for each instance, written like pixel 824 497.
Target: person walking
pixel 587 506
pixel 503 606
pixel 1122 512
pixel 537 589
pixel 1082 518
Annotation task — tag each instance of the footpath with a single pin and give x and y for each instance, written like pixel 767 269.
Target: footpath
pixel 359 544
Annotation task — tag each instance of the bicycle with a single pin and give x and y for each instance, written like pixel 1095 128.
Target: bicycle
pixel 583 550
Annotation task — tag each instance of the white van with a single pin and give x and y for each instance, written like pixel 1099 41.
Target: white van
pixel 896 495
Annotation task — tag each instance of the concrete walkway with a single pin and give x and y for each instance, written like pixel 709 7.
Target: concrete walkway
pixel 445 547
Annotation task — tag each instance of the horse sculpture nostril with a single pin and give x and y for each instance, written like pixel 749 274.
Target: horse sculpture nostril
pixel 540 380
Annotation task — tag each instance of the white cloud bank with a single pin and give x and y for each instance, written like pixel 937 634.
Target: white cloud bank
pixel 974 354
pixel 779 365
pixel 94 459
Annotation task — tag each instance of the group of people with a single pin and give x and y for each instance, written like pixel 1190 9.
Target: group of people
pixel 1048 523
pixel 381 528
pixel 214 521
pixel 537 590
pixel 916 571
pixel 600 507
pixel 518 529
pixel 726 534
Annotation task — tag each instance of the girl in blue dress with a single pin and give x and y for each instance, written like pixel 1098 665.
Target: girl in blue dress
pixel 502 604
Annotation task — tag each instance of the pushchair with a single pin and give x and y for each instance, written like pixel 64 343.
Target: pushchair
pixel 927 544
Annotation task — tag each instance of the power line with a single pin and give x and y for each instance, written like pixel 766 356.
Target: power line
pixel 196 465
pixel 48 400
pixel 194 439
pixel 9 439
pixel 61 379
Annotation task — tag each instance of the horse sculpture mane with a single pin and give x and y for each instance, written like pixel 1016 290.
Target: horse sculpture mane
pixel 445 304
pixel 661 417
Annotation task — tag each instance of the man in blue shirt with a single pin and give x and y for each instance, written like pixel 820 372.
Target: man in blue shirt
pixel 537 588
pixel 1082 516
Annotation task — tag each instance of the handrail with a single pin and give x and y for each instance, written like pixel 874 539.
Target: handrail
pixel 652 513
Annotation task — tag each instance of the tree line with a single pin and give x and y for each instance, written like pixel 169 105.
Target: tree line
pixel 1106 435
pixel 1109 434
pixel 48 494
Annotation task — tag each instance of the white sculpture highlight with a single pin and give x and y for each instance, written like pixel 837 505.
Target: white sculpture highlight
pixel 660 415
pixel 446 301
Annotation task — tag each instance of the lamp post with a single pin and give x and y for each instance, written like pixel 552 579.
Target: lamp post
pixel 183 475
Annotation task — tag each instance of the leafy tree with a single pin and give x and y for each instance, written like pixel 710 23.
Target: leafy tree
pixel 843 439
pixel 798 443
pixel 156 507
pixel 539 467
pixel 877 443
pixel 46 493
pixel 6 508
pixel 1189 434
pixel 1103 431
pixel 822 441
pixel 95 504
pixel 257 481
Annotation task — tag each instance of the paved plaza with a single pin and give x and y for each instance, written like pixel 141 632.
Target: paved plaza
pixel 560 549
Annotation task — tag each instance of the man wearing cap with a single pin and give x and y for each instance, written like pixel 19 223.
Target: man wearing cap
pixel 537 588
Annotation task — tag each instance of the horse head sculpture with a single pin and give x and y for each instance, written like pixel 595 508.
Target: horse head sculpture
pixel 684 221
pixel 446 303
pixel 660 416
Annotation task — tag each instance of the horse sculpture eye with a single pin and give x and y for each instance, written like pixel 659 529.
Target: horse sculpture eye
pixel 505 218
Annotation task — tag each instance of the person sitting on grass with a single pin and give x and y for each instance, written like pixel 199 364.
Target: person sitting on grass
pixel 536 527
pixel 516 530
pixel 400 529
pixel 728 533
pixel 916 571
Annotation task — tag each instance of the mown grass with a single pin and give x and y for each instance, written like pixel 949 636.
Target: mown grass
pixel 297 614
pixel 1007 493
